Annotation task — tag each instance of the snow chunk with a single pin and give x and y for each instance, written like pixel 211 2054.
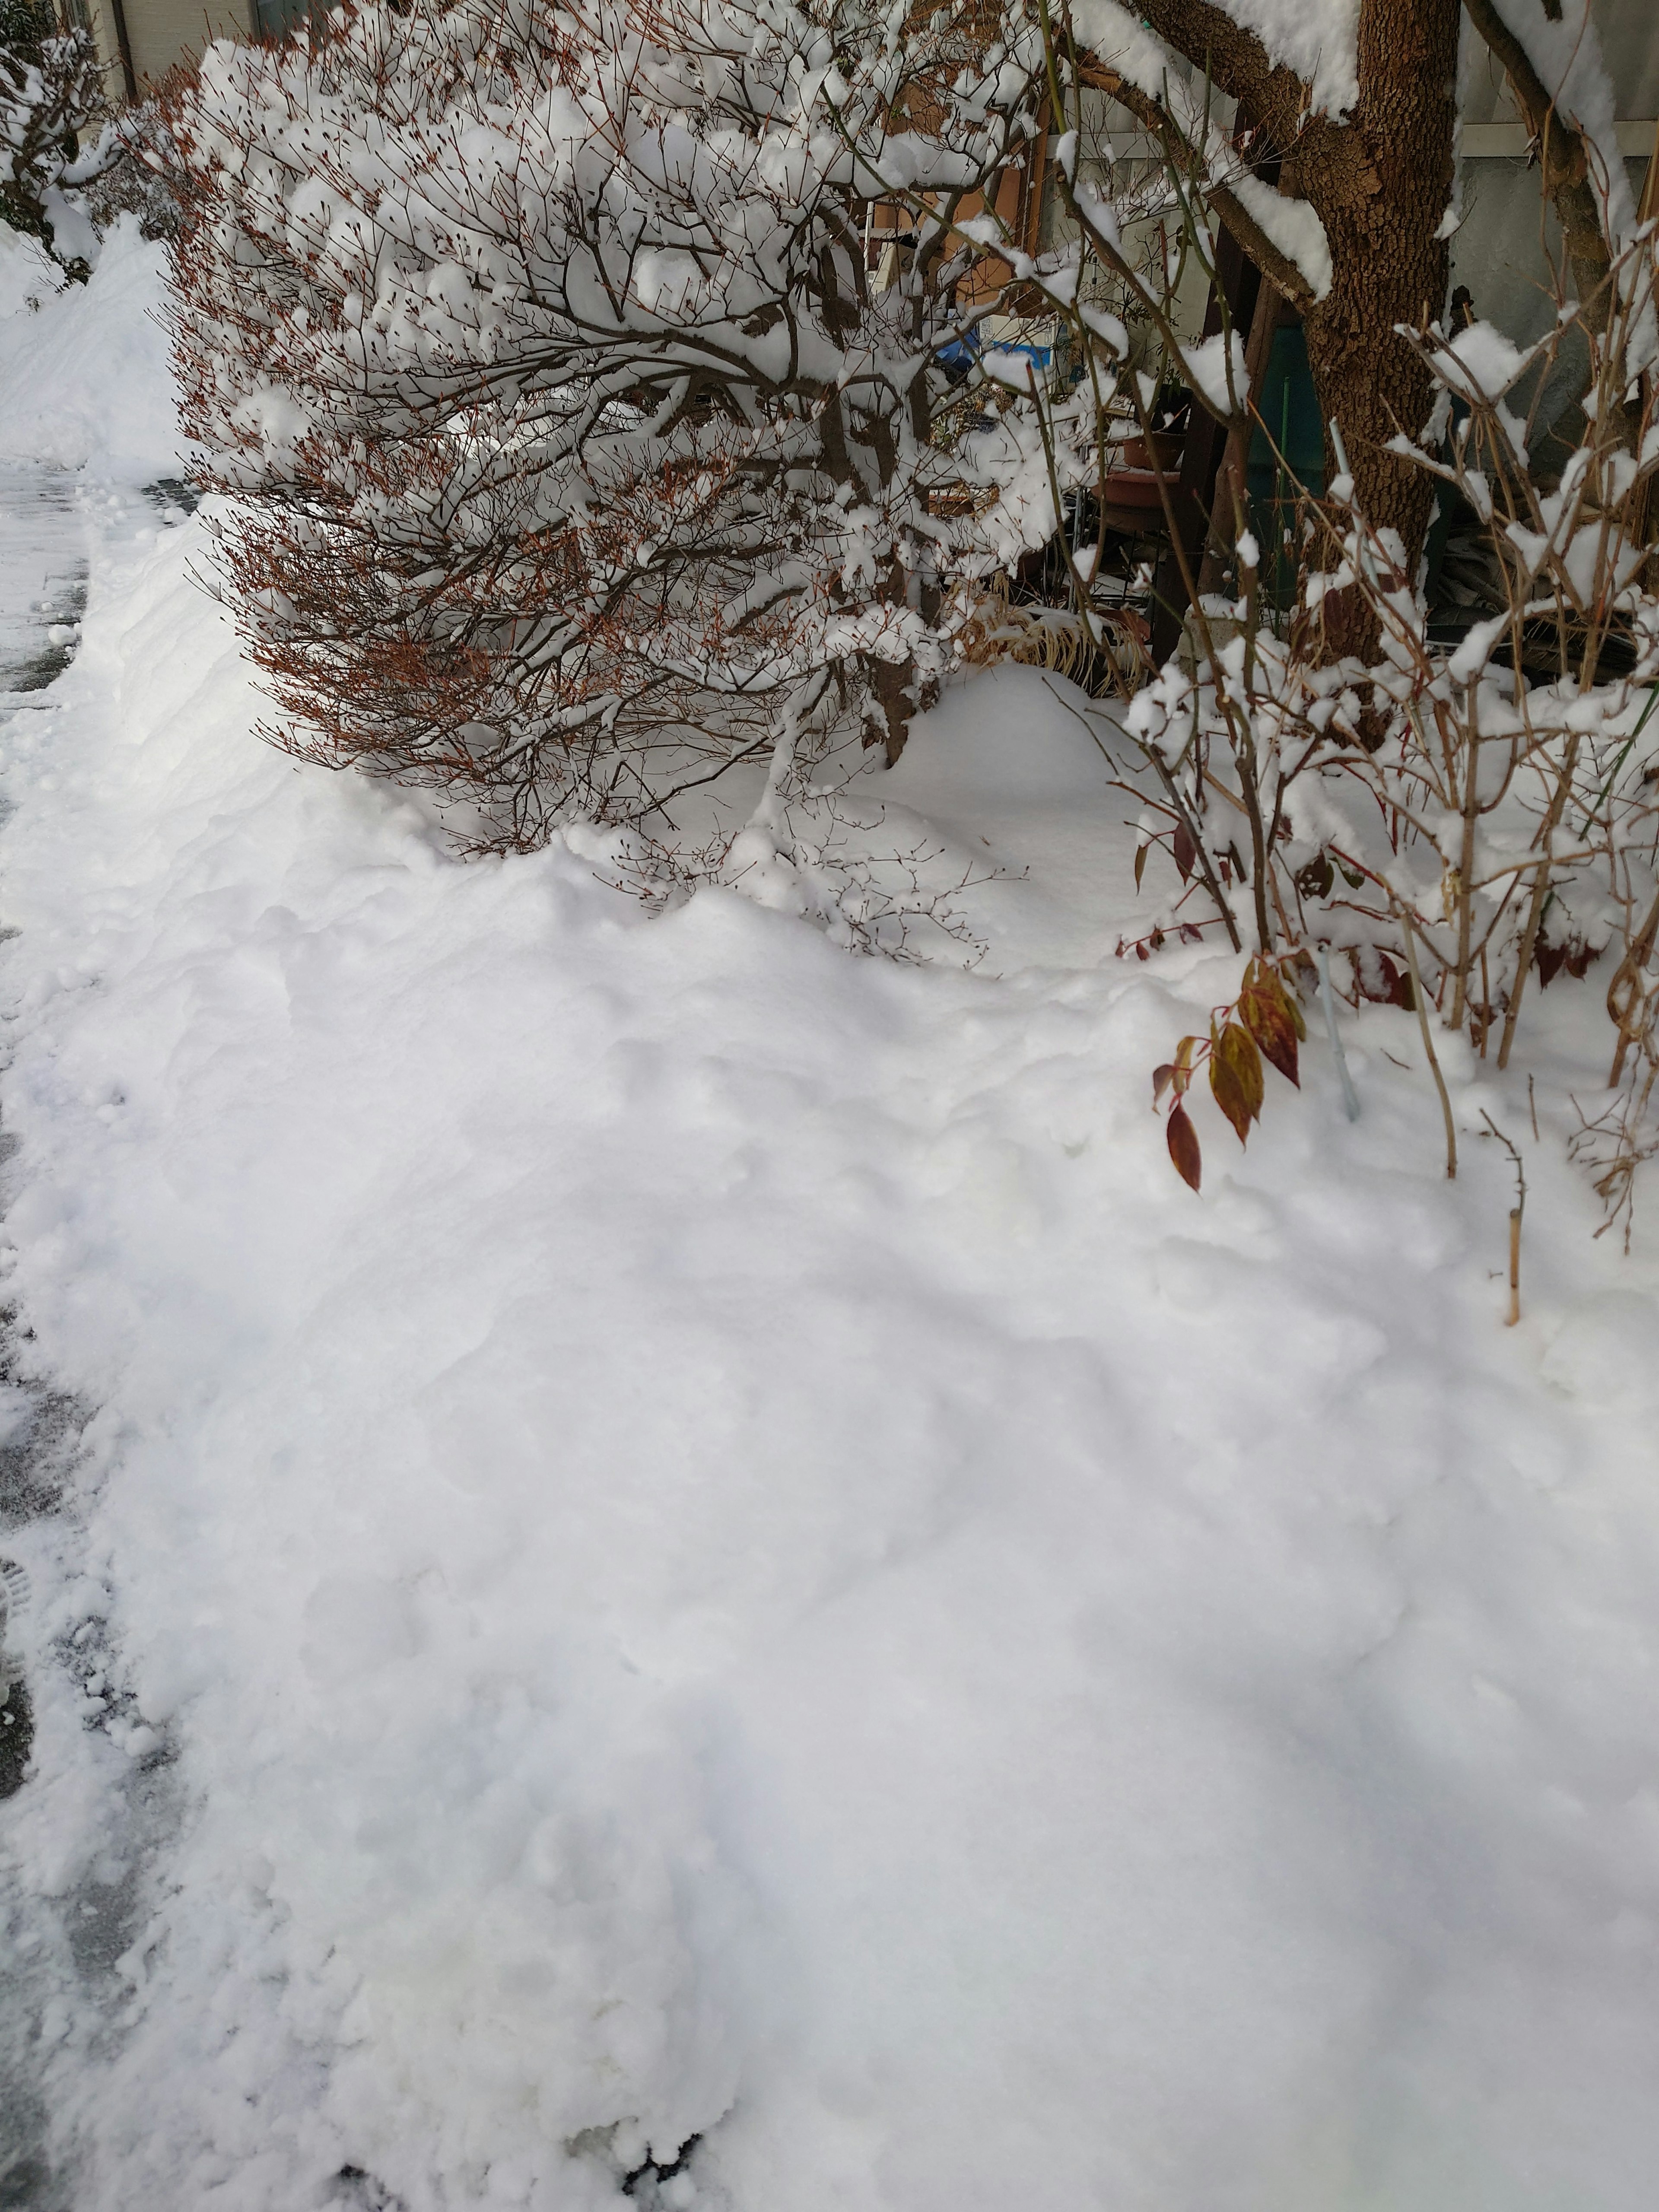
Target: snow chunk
pixel 1488 363
pixel 1208 364
pixel 1292 226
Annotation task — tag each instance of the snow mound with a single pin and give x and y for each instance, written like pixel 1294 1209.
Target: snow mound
pixel 85 380
pixel 26 272
pixel 720 1548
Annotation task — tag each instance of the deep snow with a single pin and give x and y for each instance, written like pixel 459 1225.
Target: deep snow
pixel 708 1542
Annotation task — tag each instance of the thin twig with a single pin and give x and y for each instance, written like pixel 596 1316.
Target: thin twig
pixel 1516 1211
pixel 1428 1042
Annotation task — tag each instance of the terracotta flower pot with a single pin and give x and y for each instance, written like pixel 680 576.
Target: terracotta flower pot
pixel 1161 451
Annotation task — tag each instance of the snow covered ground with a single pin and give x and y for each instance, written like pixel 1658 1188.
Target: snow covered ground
pixel 692 1536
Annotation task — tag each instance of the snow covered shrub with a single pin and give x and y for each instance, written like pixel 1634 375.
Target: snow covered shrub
pixel 141 179
pixel 53 185
pixel 52 93
pixel 1451 813
pixel 575 454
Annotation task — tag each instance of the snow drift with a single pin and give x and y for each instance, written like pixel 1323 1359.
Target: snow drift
pixel 84 378
pixel 715 1547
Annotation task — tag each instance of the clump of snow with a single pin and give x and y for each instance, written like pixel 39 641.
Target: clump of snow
pixel 1317 38
pixel 1292 225
pixel 1215 367
pixel 1481 363
pixel 86 380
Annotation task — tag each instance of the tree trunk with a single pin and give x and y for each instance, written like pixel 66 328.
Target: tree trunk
pixel 1379 180
pixel 1381 183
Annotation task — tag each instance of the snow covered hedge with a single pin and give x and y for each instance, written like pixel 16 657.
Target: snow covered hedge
pixel 578 454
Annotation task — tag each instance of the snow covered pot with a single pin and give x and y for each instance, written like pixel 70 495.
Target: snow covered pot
pixel 574 453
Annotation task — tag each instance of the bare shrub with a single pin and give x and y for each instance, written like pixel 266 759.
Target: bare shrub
pixel 1454 815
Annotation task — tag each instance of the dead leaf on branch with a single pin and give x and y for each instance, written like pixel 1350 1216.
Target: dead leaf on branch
pixel 1236 1077
pixel 1273 1018
pixel 1183 1147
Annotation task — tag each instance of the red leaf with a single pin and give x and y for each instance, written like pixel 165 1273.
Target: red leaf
pixel 1186 852
pixel 1400 985
pixel 1387 983
pixel 1183 1147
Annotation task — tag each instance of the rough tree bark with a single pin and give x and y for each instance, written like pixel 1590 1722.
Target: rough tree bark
pixel 1381 185
pixel 1379 180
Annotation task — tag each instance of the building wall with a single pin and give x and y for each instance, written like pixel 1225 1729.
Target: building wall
pixel 162 32
pixel 1507 243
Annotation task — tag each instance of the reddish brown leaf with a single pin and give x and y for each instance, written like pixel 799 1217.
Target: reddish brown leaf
pixel 1264 1007
pixel 1162 1079
pixel 1236 1077
pixel 1384 981
pixel 1262 975
pixel 1183 1147
pixel 1186 852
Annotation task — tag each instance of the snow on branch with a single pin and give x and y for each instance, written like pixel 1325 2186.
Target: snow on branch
pixel 573 437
